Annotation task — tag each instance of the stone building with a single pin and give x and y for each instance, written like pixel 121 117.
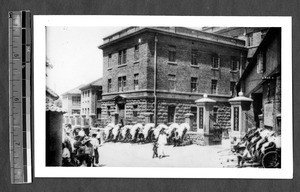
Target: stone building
pixel 261 80
pixel 163 70
pixel 90 95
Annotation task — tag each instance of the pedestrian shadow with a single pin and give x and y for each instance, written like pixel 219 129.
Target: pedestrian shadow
pixel 101 165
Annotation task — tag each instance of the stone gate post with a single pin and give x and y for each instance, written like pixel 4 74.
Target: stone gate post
pixel 239 107
pixel 204 122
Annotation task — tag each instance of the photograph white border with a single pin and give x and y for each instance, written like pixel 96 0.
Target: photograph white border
pixel 40 22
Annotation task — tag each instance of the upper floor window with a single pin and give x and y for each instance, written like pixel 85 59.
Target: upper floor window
pixel 136 81
pixel 136 52
pixel 122 57
pixel 76 100
pixel 172 82
pixel 215 61
pixel 214 88
pixel 250 39
pixel 234 64
pixel 109 61
pixel 109 85
pixel 172 53
pixel 261 63
pixel 194 57
pixel 232 87
pixel 121 83
pixel 194 84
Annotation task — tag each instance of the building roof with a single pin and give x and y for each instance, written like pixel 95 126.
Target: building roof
pixel 51 93
pixel 271 34
pixel 75 90
pixel 174 31
pixel 96 83
pixel 53 108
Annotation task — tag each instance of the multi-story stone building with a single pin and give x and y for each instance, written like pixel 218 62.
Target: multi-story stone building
pixel 163 70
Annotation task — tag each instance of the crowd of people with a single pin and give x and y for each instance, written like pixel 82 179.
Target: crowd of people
pixel 81 144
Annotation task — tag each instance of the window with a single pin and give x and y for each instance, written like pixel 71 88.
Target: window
pixel 136 53
pixel 88 111
pixel 215 62
pixel 108 110
pixel 99 94
pixel 76 100
pixel 122 57
pixel 171 114
pixel 136 81
pixel 98 113
pixel 121 83
pixel 109 85
pixel 109 61
pixel 172 53
pixel 135 110
pixel 214 86
pixel 194 57
pixel 234 64
pixel 75 111
pixel 194 84
pixel 172 81
pixel 261 62
pixel 250 39
pixel 232 87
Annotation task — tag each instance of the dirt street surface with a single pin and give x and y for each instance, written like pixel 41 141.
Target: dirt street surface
pixel 140 155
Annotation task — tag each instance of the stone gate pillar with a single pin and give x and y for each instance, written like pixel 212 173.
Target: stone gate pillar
pixel 188 120
pixel 239 107
pixel 204 122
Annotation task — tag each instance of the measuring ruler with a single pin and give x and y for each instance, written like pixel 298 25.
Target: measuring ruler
pixel 19 23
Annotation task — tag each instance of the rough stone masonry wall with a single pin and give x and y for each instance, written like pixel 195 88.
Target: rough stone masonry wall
pixel 143 106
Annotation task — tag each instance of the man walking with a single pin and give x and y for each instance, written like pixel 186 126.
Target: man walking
pixel 162 141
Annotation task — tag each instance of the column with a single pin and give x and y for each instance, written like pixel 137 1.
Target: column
pixel 204 122
pixel 239 107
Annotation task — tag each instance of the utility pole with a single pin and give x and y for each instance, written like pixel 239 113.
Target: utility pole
pixel 155 80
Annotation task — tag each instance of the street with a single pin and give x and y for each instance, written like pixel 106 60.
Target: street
pixel 140 155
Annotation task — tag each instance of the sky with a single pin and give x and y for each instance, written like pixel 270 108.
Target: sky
pixel 73 52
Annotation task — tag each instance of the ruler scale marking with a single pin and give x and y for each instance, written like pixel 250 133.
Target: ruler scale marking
pixel 20 101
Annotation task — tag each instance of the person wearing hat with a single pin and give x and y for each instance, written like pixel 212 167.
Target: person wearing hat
pixel 162 141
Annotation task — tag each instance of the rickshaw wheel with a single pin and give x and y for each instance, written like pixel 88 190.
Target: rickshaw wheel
pixel 271 160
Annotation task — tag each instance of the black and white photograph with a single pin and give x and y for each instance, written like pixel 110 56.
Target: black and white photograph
pixel 165 96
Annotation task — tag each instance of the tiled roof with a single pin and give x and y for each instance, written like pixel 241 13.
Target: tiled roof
pixel 97 82
pixel 75 90
pixel 54 108
pixel 51 93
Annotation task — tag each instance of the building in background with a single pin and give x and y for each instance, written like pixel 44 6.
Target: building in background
pixel 91 95
pixel 261 80
pixel 71 101
pixel 187 63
